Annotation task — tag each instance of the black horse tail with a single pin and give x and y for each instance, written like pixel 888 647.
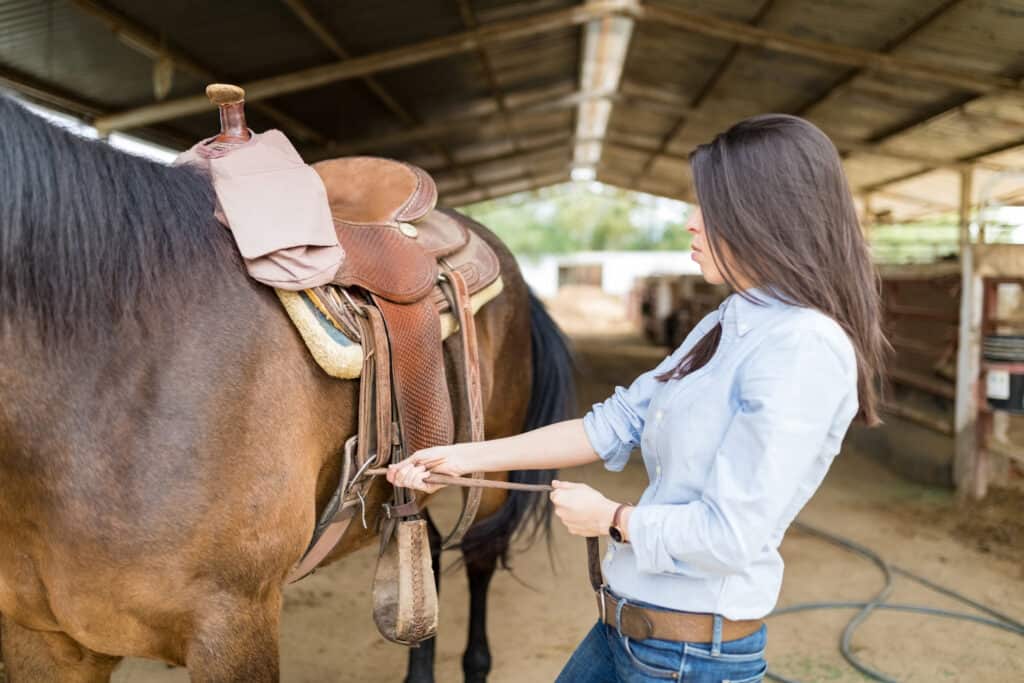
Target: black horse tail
pixel 527 515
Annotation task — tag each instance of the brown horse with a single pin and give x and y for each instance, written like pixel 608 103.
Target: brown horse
pixel 166 441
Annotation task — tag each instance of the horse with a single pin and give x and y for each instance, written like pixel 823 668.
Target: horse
pixel 166 441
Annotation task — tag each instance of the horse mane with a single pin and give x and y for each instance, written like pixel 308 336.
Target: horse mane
pixel 92 237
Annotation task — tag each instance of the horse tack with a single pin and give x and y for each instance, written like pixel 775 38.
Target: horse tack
pixel 398 252
pixel 383 207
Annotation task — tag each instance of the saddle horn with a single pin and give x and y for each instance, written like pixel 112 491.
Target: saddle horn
pixel 230 99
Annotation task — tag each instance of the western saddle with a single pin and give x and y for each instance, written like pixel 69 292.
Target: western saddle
pixel 405 264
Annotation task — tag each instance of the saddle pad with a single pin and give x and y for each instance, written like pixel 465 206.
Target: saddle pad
pixel 340 356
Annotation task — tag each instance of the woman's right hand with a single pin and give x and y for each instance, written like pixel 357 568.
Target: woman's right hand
pixel 412 472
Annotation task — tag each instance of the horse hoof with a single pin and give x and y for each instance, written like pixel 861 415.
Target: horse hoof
pixel 428 678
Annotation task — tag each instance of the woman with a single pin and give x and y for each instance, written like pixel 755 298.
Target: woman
pixel 737 427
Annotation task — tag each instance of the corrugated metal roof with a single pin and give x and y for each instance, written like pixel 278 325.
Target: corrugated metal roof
pixel 500 115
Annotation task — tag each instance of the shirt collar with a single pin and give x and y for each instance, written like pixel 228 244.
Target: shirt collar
pixel 746 311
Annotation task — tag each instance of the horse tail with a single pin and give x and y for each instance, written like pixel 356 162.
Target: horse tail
pixel 526 515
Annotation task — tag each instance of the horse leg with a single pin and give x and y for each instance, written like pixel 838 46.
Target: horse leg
pixel 236 642
pixel 476 660
pixel 49 657
pixel 421 659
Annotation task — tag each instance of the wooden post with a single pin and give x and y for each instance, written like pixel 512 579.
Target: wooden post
pixel 965 465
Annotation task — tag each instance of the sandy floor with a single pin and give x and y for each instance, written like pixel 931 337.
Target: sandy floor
pixel 328 634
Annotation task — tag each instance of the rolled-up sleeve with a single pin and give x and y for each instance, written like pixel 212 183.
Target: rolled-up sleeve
pixel 794 393
pixel 614 427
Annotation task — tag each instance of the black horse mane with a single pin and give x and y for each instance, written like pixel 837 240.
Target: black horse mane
pixel 92 237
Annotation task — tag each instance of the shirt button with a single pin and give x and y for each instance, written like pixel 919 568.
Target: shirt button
pixel 657 470
pixel 658 415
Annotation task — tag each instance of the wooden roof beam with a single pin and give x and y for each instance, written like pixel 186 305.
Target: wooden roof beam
pixel 357 67
pixel 922 122
pixel 505 188
pixel 929 72
pixel 473 122
pixel 63 100
pixel 663 102
pixel 148 43
pixel 844 81
pixel 470 20
pixel 524 154
pixel 305 15
pixel 699 98
pixel 976 160
pixel 56 97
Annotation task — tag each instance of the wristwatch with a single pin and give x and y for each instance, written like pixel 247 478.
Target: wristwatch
pixel 615 531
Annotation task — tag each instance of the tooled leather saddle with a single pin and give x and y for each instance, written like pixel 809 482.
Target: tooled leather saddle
pixel 405 264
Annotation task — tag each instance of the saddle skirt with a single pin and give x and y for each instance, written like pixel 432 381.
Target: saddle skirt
pixel 328 340
pixel 394 240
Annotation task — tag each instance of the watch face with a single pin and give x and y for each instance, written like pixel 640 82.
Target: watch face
pixel 615 534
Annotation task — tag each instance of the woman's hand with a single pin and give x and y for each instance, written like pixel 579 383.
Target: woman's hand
pixel 583 510
pixel 412 472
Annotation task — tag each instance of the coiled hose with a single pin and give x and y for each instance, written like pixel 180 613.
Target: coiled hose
pixel 879 602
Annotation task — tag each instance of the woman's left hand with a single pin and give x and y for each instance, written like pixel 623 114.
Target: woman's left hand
pixel 583 510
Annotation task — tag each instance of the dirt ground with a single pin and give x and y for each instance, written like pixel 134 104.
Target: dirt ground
pixel 538 614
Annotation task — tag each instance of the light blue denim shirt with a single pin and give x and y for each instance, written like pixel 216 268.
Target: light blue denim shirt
pixel 733 452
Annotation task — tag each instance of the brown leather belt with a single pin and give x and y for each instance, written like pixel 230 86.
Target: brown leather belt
pixel 641 623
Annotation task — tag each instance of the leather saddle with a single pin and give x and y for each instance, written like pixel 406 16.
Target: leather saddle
pixel 396 246
pixel 405 264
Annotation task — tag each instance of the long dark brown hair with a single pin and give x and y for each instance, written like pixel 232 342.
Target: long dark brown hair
pixel 775 199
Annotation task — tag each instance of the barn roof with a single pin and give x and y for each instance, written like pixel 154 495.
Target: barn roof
pixel 500 96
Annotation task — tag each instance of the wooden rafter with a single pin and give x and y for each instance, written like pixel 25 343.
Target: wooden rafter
pixel 470 20
pixel 479 122
pixel 147 42
pixel 305 15
pixel 716 27
pixel 50 94
pixel 701 95
pixel 847 78
pixel 964 163
pixel 523 154
pixel 505 187
pixel 418 53
pixel 63 100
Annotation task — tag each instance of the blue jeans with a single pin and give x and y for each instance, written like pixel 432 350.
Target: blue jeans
pixel 607 656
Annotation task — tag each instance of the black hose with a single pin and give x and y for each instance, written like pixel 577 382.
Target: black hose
pixel 864 609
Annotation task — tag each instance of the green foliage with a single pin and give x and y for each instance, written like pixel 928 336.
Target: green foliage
pixel 584 217
pixel 921 241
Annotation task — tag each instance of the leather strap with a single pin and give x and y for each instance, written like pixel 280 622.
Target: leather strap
pixel 463 306
pixel 324 545
pixel 382 407
pixel 594 563
pixel 404 510
pixel 641 623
